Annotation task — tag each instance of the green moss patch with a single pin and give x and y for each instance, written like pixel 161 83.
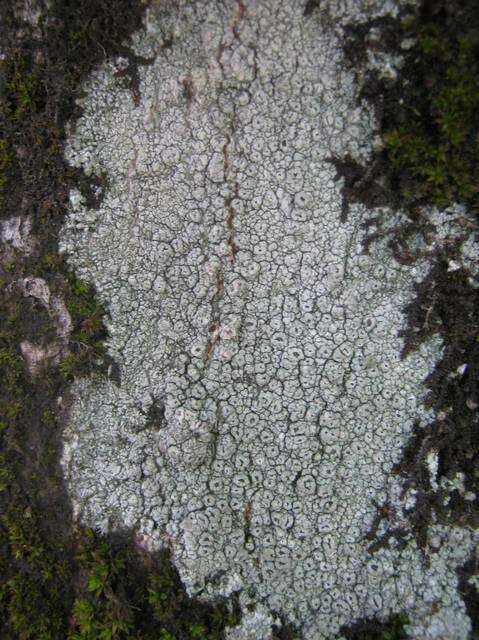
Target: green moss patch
pixel 369 629
pixel 431 127
pixel 126 592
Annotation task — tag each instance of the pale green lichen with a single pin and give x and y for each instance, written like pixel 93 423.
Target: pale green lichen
pixel 243 309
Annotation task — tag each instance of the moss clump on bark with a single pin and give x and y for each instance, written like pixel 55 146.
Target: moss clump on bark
pixel 431 129
pixel 392 629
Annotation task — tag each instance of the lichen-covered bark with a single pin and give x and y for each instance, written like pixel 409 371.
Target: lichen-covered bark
pixel 263 400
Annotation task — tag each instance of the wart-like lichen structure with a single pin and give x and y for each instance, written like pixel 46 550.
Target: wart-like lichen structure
pixel 263 401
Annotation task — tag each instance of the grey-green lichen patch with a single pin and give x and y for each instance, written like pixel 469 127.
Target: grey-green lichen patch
pixel 250 319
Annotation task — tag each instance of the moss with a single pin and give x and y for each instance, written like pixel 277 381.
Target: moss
pixel 370 629
pixel 67 367
pixel 5 163
pixel 99 612
pixel 87 350
pixel 23 90
pixel 34 565
pixel 432 139
pixel 125 591
pixel 32 596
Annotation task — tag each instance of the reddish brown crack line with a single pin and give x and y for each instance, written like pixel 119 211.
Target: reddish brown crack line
pixel 230 224
pixel 226 159
pixel 237 18
pixel 215 321
pixel 189 90
pixel 235 22
pixel 248 514
pixel 189 94
pixel 229 200
pixel 239 15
